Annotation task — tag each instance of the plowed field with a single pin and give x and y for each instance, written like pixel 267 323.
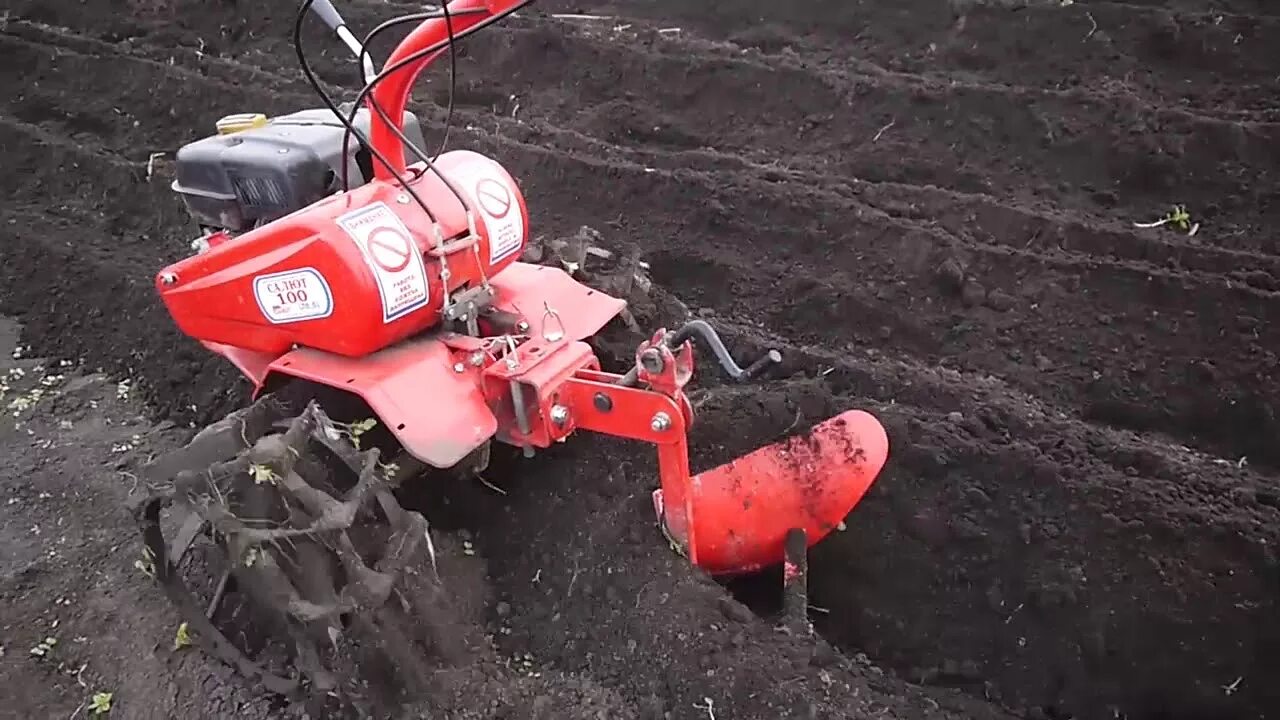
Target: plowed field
pixel 931 208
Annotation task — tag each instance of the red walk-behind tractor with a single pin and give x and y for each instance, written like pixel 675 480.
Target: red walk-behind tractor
pixel 329 261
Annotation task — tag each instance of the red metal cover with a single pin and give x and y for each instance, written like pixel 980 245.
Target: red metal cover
pixel 351 274
pixel 426 392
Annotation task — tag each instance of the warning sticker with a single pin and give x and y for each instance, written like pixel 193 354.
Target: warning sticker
pixel 495 200
pixel 293 296
pixel 392 255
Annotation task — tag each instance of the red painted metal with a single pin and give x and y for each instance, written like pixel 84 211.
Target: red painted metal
pixel 599 404
pixel 746 507
pixel 212 295
pixel 392 93
pixel 443 395
pixel 734 518
pixel 529 379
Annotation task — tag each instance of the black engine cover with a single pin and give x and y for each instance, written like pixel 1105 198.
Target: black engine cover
pixel 238 181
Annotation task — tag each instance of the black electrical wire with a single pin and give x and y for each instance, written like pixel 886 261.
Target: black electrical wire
pixel 417 152
pixel 416 56
pixel 350 126
pixel 448 16
pixel 453 77
pixel 349 122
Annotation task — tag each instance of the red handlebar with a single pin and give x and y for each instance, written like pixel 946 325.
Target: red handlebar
pixel 392 92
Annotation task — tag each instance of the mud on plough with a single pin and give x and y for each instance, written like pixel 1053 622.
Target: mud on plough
pixel 400 285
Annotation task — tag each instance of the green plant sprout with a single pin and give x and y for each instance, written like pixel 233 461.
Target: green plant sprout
pixel 262 474
pixel 358 428
pixel 100 704
pixel 182 638
pixel 1178 217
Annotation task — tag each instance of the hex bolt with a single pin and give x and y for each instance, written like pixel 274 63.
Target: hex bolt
pixel 559 414
pixel 477 358
pixel 459 367
pixel 660 423
pixel 168 278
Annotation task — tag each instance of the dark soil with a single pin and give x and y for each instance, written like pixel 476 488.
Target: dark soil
pixel 928 206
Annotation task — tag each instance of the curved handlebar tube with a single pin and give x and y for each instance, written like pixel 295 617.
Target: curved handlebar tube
pixel 392 92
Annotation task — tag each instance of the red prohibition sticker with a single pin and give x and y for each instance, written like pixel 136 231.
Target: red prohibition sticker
pixel 494 198
pixel 389 249
pixel 391 254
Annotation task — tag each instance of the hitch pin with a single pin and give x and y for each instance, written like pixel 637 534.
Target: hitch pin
pixel 517 394
pixel 551 335
pixel 522 416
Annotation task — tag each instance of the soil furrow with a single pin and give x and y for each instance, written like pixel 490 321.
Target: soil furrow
pixel 1169 59
pixel 1258 8
pixel 953 500
pixel 1084 153
pixel 928 206
pixel 1194 254
pixel 1102 242
pixel 145 96
pixel 591 568
pixel 960 316
pixel 856 23
pixel 1140 183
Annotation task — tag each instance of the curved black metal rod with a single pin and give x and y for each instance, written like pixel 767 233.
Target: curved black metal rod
pixel 701 329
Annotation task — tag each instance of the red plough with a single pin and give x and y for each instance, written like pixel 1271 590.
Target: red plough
pixel 329 260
